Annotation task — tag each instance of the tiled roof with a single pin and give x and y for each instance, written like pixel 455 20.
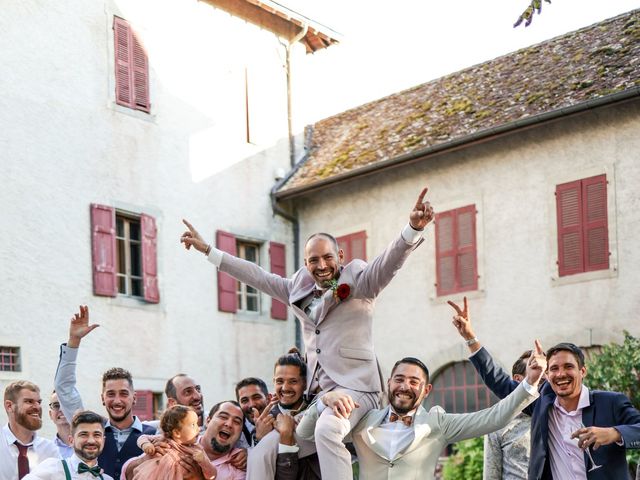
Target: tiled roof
pixel 563 72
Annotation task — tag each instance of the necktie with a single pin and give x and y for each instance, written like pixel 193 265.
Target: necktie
pixel 23 460
pixel 95 470
pixel 317 293
pixel 406 419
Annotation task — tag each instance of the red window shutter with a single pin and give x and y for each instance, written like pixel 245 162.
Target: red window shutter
pixel 466 271
pixel 140 75
pixel 103 237
pixel 132 67
pixel 149 258
pixel 277 259
pixel 445 253
pixel 354 246
pixel 122 38
pixel 456 251
pixel 569 218
pixel 227 285
pixel 143 408
pixel 596 229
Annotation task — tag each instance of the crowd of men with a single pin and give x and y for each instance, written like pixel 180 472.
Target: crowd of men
pixel 326 409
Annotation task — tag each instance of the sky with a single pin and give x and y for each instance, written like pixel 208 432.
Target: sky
pixel 389 46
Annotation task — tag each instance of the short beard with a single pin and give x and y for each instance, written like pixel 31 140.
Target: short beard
pixel 118 419
pixel 28 422
pixel 86 455
pixel 219 448
pixel 404 410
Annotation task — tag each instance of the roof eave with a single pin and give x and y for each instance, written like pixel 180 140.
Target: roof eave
pixel 479 136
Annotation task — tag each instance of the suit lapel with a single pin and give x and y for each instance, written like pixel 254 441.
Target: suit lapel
pixel 588 413
pixel 374 420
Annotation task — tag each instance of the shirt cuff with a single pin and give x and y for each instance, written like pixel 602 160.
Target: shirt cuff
pixel 474 353
pixel 320 405
pixel 531 390
pixel 411 235
pixel 282 448
pixel 69 353
pixel 215 256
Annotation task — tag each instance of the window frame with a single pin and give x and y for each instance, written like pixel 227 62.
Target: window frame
pixel 14 351
pixel 138 88
pixel 128 218
pixel 241 288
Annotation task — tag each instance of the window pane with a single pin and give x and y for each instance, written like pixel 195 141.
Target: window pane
pixel 459 369
pixel 448 401
pixel 252 290
pixel 122 287
pixel 121 257
pixel 460 403
pixel 251 253
pixel 252 303
pixel 472 404
pixel 134 230
pixel 136 260
pixel 119 227
pixel 136 287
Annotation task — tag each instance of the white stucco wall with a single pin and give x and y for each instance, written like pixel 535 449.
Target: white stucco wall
pixel 65 144
pixel 512 182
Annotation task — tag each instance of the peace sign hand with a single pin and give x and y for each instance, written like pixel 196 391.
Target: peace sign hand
pixel 461 320
pixel 264 421
pixel 422 212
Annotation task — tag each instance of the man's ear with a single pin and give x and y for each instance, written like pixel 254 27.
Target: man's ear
pixel 518 378
pixel 340 256
pixel 8 406
pixel 427 389
pixel 171 402
pixel 270 397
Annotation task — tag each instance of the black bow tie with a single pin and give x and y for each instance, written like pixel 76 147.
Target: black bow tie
pixel 317 293
pixel 95 471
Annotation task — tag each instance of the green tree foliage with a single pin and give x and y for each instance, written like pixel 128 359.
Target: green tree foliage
pixel 466 461
pixel 527 16
pixel 617 368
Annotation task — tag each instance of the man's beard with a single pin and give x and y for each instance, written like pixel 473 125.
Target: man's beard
pixel 403 410
pixel 124 415
pixel 218 448
pixel 28 422
pixel 87 455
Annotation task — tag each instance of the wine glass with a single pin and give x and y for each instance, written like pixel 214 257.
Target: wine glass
pixel 594 465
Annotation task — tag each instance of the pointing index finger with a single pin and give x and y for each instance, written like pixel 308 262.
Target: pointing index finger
pixel 189 226
pixel 539 349
pixel 421 196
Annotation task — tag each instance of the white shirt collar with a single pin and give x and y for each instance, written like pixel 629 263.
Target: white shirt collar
pixel 11 438
pixel 583 402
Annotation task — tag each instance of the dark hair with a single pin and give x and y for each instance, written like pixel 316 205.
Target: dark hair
pixel 117 373
pixel 327 236
pixel 293 358
pixel 412 361
pixel 85 416
pixel 217 406
pixel 172 418
pixel 520 365
pixel 170 389
pixel 567 347
pixel 245 382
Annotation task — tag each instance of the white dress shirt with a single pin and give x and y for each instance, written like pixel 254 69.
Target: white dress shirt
pixel 39 450
pixel 52 469
pixel 394 437
pixel 566 458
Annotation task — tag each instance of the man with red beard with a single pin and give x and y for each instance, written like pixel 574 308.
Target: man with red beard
pixel 122 428
pixel 87 438
pixel 20 447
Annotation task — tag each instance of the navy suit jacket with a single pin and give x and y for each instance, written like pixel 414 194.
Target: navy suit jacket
pixel 606 409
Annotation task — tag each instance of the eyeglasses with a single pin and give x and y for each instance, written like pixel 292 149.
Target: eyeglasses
pixel 54 406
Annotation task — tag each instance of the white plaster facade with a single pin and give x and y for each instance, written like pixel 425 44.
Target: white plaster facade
pixel 512 181
pixel 66 144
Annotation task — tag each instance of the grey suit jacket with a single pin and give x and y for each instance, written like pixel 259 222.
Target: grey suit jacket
pixel 433 431
pixel 342 339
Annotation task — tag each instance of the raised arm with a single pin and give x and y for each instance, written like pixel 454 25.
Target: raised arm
pixel 381 270
pixel 456 427
pixel 65 379
pixel 247 272
pixel 493 376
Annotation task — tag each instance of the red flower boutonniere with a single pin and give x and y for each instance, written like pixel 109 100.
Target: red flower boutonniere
pixel 340 291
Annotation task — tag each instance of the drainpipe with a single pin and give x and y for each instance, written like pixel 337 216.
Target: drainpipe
pixel 293 41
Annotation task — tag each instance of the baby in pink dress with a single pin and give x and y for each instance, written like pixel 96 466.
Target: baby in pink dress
pixel 180 430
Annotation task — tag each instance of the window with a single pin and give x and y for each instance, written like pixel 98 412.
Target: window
pixel 459 389
pixel 10 359
pixel 233 295
pixel 353 245
pixel 583 232
pixel 129 255
pixel 132 67
pixel 144 406
pixel 456 255
pixel 124 254
pixel 248 297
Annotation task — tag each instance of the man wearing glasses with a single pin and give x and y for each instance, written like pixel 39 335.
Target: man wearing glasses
pixel 62 426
